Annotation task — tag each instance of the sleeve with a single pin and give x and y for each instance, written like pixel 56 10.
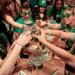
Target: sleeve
pixel 21 21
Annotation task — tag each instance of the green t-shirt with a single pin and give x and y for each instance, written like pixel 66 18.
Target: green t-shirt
pixel 59 13
pixel 22 22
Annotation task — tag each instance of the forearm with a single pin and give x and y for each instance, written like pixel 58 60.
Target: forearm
pixel 10 20
pixel 64 55
pixel 10 62
pixel 54 26
pixel 61 34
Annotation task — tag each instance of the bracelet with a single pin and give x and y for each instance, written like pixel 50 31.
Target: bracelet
pixel 19 44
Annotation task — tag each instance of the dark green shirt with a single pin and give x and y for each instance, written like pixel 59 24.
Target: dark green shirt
pixel 59 14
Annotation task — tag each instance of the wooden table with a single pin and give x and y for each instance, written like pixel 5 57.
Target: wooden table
pixel 54 65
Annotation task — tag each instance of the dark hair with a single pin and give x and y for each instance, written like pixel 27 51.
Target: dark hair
pixel 37 11
pixel 45 13
pixel 5 3
pixel 23 1
pixel 54 11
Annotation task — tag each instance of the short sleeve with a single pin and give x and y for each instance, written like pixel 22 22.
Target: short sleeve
pixel 21 21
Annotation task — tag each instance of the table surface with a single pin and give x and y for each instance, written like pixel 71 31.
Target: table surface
pixel 52 66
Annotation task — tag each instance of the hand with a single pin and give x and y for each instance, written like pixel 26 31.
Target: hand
pixel 25 28
pixel 24 38
pixel 68 20
pixel 41 37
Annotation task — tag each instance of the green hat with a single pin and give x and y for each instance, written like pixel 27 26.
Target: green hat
pixel 42 3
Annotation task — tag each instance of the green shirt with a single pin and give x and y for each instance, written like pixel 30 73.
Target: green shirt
pixel 59 14
pixel 22 22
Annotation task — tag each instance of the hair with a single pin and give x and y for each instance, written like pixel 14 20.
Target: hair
pixel 55 9
pixel 6 3
pixel 56 2
pixel 45 13
pixel 37 11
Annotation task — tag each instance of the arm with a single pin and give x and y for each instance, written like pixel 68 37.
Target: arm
pixel 61 34
pixel 64 55
pixel 54 26
pixel 11 60
pixel 10 20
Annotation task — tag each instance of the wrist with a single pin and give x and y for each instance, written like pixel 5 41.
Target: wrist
pixel 19 44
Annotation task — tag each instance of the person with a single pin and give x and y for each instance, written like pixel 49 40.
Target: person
pixel 10 61
pixel 8 17
pixel 41 15
pixel 63 54
pixel 59 8
pixel 68 26
pixel 9 13
pixel 25 20
pixel 40 10
pixel 4 42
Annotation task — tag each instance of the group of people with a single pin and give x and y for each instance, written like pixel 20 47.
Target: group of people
pixel 21 21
